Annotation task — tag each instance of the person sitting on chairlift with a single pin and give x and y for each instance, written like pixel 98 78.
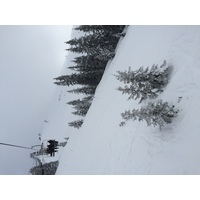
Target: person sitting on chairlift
pixel 52 147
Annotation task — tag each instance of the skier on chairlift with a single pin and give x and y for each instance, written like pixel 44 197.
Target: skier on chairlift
pixel 52 147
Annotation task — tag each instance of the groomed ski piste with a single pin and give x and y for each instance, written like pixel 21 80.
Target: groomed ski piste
pixel 101 146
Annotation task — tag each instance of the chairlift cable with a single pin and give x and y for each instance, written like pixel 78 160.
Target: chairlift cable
pixel 12 145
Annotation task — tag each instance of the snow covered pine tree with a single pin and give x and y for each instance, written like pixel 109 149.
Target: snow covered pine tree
pixel 156 114
pixel 144 83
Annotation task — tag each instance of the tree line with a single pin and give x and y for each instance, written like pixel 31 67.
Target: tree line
pixel 95 48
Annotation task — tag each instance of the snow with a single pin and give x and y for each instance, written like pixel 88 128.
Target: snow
pixel 101 146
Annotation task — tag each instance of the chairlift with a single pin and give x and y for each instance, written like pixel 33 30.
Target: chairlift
pixel 49 147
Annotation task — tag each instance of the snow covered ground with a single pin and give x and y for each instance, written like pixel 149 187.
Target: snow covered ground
pixel 100 146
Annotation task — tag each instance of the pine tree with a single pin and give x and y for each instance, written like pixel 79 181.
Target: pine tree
pixel 90 28
pixel 156 114
pixel 87 68
pixel 144 83
pixel 81 106
pixel 74 102
pixel 67 79
pixel 91 78
pixel 94 44
pixel 112 29
pixel 88 63
pixel 104 53
pixel 78 101
pixel 87 90
pixel 96 47
pixel 76 124
pixel 74 41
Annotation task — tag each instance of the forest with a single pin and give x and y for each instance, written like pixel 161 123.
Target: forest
pixel 94 48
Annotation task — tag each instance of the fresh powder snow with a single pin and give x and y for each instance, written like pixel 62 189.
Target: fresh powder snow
pixel 101 146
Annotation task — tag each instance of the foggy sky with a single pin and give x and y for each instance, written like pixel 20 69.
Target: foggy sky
pixel 30 57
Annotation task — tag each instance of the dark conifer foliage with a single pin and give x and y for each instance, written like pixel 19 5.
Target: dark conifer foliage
pixel 87 63
pixel 87 90
pixel 101 29
pixel 76 124
pixel 96 47
pixel 80 103
pixel 90 78
pixel 95 44
pixel 81 107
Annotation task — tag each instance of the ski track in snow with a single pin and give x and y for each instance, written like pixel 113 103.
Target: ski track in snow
pixel 101 146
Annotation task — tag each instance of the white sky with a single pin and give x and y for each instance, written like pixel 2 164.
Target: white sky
pixel 30 57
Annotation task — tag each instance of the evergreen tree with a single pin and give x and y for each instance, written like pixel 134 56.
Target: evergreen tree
pixel 81 106
pixel 90 28
pixel 87 90
pixel 94 44
pixel 103 37
pixel 73 42
pixel 96 47
pixel 74 102
pixel 87 63
pixel 88 68
pixel 101 29
pixel 91 78
pixel 81 103
pixel 76 124
pixel 156 114
pixel 46 169
pixel 67 79
pixel 104 53
pixel 144 83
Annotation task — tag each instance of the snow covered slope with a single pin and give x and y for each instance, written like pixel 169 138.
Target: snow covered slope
pixel 101 146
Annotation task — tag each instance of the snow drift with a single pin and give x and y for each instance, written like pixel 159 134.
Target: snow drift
pixel 101 146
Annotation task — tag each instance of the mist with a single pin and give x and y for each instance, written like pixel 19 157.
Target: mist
pixel 30 57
